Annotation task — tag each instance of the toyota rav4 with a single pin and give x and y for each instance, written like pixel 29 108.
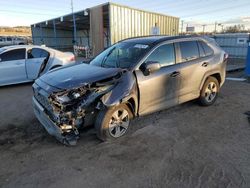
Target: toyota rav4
pixel 132 78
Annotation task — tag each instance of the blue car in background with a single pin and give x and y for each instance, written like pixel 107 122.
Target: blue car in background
pixel 25 63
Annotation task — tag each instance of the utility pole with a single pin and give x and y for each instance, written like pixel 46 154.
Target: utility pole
pixel 248 60
pixel 222 26
pixel 182 24
pixel 74 22
pixel 215 25
pixel 204 28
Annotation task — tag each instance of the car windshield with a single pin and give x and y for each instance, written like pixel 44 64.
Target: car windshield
pixel 121 55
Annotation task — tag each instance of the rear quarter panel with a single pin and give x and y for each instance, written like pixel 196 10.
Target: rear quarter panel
pixel 217 65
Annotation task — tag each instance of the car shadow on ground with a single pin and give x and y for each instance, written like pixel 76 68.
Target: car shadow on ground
pixel 35 134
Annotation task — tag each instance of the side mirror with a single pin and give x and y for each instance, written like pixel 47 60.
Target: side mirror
pixel 150 67
pixel 0 59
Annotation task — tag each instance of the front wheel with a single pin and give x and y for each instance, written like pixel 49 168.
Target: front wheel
pixel 113 123
pixel 209 92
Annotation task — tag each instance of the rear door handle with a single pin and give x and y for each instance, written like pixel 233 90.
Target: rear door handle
pixel 175 74
pixel 205 64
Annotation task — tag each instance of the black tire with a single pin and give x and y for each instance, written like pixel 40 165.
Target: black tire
pixel 102 124
pixel 211 85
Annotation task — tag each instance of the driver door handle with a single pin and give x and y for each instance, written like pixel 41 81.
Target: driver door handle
pixel 175 74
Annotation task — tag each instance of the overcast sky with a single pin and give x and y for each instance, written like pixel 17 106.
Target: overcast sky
pixel 194 12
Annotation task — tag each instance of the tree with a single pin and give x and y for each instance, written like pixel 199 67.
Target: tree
pixel 235 29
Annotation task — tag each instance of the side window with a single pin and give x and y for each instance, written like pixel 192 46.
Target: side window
pixel 13 55
pixel 207 49
pixel 164 54
pixel 189 50
pixel 9 39
pixel 37 53
pixel 201 49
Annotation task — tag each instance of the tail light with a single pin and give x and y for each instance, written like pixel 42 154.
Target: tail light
pixel 226 56
pixel 72 58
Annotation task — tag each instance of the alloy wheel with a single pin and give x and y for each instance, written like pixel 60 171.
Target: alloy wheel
pixel 211 92
pixel 119 123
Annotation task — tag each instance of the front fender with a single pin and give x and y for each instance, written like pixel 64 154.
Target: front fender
pixel 123 91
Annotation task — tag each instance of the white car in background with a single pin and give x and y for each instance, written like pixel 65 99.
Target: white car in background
pixel 25 63
pixel 8 41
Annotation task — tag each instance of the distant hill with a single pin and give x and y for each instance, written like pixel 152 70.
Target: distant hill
pixel 15 31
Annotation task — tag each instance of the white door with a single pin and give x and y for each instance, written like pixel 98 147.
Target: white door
pixel 36 62
pixel 12 66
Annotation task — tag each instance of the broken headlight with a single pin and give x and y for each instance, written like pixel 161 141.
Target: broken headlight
pixel 75 95
pixel 69 96
pixel 63 98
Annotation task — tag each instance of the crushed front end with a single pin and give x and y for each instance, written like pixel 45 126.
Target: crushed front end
pixel 63 112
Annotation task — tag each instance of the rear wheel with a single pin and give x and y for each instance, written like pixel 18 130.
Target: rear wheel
pixel 113 123
pixel 209 92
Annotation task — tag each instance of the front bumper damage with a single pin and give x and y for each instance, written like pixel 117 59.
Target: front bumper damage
pixel 63 112
pixel 47 123
pixel 62 120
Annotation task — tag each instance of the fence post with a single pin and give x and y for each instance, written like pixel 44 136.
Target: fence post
pixel 55 35
pixel 248 61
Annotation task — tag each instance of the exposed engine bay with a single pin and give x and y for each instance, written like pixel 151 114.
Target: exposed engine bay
pixel 71 109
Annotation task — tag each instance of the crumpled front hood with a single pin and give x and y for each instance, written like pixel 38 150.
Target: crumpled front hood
pixel 78 75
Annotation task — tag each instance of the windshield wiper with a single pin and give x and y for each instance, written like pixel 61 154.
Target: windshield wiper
pixel 106 57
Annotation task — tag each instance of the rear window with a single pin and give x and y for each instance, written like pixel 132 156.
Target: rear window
pixel 208 51
pixel 37 53
pixel 189 50
pixel 201 50
pixel 12 55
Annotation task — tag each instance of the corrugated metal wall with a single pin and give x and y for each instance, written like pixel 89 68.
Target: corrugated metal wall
pixel 96 29
pixel 46 36
pixel 126 22
pixel 234 44
pixel 63 40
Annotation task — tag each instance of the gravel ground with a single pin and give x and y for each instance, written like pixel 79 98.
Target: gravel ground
pixel 185 146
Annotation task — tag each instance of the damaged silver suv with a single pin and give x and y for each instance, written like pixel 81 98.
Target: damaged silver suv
pixel 132 78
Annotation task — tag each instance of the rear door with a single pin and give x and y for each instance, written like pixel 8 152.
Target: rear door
pixel 159 90
pixel 193 68
pixel 36 62
pixel 12 66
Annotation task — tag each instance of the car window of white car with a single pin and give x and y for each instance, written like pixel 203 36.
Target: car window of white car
pixel 37 53
pixel 12 55
pixel 9 39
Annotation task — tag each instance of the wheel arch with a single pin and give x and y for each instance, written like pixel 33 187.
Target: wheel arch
pixel 216 75
pixel 132 105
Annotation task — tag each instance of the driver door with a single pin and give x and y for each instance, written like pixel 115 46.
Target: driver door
pixel 159 89
pixel 12 66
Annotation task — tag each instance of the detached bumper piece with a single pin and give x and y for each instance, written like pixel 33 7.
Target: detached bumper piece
pixel 69 138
